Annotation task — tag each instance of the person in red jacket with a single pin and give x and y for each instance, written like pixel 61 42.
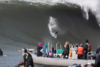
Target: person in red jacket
pixel 80 51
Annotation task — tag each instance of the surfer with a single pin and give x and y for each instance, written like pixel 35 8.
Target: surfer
pixel 1 53
pixel 56 32
pixel 28 59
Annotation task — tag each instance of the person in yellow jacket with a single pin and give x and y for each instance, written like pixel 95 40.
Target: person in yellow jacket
pixel 80 51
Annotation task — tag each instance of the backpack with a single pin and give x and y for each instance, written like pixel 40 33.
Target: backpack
pixel 70 54
pixel 89 47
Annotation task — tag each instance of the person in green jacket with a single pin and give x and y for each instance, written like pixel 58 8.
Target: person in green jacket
pixel 59 52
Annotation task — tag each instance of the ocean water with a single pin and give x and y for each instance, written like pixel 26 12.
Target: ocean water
pixel 25 23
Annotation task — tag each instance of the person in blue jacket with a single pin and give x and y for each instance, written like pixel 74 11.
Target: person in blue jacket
pixel 45 50
pixel 85 50
pixel 53 50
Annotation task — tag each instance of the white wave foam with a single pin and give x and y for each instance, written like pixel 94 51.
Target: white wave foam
pixel 93 5
pixel 53 27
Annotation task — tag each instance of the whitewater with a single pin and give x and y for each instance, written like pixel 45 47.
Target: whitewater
pixel 86 5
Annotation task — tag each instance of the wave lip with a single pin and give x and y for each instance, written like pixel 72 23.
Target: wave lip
pixel 86 5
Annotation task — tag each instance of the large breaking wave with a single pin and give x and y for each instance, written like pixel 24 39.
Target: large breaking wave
pixel 86 5
pixel 28 21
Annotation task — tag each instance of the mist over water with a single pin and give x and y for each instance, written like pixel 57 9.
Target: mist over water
pixel 25 23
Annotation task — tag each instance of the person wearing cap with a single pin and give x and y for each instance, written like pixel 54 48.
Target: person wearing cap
pixel 39 53
pixel 80 51
pixel 1 53
pixel 28 59
pixel 44 50
pixel 87 48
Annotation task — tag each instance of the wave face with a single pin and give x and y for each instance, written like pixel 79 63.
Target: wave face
pixel 27 21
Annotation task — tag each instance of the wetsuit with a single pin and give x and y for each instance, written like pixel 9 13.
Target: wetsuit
pixel 1 53
pixel 28 59
pixel 56 32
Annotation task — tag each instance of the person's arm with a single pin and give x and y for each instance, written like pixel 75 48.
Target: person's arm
pixel 56 32
pixel 47 51
pixel 41 50
pixel 61 51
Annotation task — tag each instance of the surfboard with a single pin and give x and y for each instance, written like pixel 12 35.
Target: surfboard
pixel 53 34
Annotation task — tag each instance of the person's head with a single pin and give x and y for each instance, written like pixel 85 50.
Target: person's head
pixel 40 44
pixel 76 45
pixel 66 42
pixel 45 45
pixel 56 32
pixel 65 45
pixel 52 48
pixel 25 50
pixel 86 41
pixel 59 47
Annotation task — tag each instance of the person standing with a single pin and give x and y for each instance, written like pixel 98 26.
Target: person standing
pixel 28 59
pixel 85 50
pixel 80 51
pixel 44 50
pixel 39 53
pixel 66 50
